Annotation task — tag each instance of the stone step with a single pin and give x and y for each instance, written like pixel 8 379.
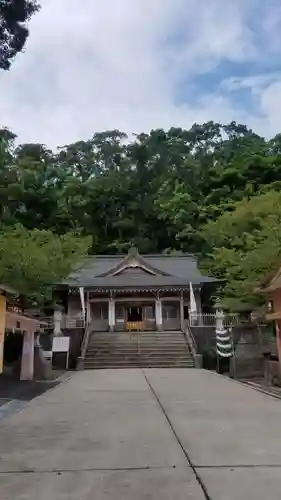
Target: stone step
pixel 122 338
pixel 136 344
pixel 139 361
pixel 133 349
pixel 112 367
pixel 94 341
pixel 139 364
pixel 135 365
pixel 126 358
pixel 142 349
pixel 141 339
pixel 136 339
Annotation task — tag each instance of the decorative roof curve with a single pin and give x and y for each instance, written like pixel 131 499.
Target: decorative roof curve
pixel 133 269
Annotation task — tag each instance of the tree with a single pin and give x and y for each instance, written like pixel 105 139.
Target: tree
pixel 14 15
pixel 155 191
pixel 31 261
pixel 242 246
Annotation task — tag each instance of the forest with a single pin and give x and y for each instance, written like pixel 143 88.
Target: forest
pixel 212 190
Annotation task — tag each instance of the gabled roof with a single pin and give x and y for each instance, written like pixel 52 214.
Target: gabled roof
pixel 110 271
pixel 7 290
pixel 271 282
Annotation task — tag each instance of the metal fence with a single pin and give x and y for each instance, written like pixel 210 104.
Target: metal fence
pixel 232 319
pixel 209 319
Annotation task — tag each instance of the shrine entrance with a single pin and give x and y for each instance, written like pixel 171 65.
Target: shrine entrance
pixel 134 318
pixel 134 314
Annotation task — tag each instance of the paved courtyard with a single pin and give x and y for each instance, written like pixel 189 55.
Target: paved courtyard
pixel 143 434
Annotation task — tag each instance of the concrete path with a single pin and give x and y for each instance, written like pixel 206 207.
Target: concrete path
pixel 135 435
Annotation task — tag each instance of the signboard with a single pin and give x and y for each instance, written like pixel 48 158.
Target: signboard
pixel 60 344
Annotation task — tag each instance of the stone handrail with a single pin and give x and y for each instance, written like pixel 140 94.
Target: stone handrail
pixel 85 341
pixel 190 339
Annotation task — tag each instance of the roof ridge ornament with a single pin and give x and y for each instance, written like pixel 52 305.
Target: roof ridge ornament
pixel 133 252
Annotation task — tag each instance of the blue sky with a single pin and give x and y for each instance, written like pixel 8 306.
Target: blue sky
pixel 92 65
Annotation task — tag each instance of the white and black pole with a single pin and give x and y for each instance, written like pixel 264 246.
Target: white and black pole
pixel 224 342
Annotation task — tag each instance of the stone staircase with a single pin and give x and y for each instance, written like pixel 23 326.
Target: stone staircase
pixel 138 349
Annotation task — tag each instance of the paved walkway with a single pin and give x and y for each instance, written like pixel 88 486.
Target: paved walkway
pixel 135 435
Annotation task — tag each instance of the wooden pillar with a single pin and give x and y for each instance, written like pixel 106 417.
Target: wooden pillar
pixel 111 314
pixel 158 314
pixel 27 360
pixel 88 309
pixel 278 342
pixel 2 329
pixel 182 312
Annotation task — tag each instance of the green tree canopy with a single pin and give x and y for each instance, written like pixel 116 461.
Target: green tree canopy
pixel 31 261
pixel 14 15
pixel 243 245
pixel 156 191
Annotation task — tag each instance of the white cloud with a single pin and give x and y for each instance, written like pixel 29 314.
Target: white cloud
pixel 92 65
pixel 271 107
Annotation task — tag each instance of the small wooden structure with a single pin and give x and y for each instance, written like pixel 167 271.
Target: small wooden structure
pixel 271 288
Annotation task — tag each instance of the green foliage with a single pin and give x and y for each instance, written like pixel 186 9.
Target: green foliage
pixel 243 246
pixel 13 32
pixel 206 190
pixel 31 261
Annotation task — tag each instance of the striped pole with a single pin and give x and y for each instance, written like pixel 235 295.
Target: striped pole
pixel 224 340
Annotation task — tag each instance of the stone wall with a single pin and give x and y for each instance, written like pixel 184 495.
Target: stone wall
pixel 250 345
pixel 205 336
pixel 272 373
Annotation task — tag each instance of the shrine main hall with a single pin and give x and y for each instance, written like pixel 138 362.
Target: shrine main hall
pixel 135 292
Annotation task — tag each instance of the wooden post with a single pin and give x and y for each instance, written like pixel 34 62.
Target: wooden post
pixel 88 309
pixel 278 343
pixel 158 314
pixel 182 312
pixel 111 314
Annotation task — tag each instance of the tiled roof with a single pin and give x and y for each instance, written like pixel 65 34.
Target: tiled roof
pixel 7 289
pixel 178 270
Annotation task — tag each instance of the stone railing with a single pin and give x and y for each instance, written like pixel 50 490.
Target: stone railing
pixel 67 322
pixel 70 322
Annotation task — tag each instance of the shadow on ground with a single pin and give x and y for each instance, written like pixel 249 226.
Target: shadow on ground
pixel 22 390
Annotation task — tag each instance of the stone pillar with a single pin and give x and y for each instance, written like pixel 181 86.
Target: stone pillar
pixel 182 312
pixel 220 319
pixel 27 360
pixel 57 321
pixel 111 314
pixel 158 314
